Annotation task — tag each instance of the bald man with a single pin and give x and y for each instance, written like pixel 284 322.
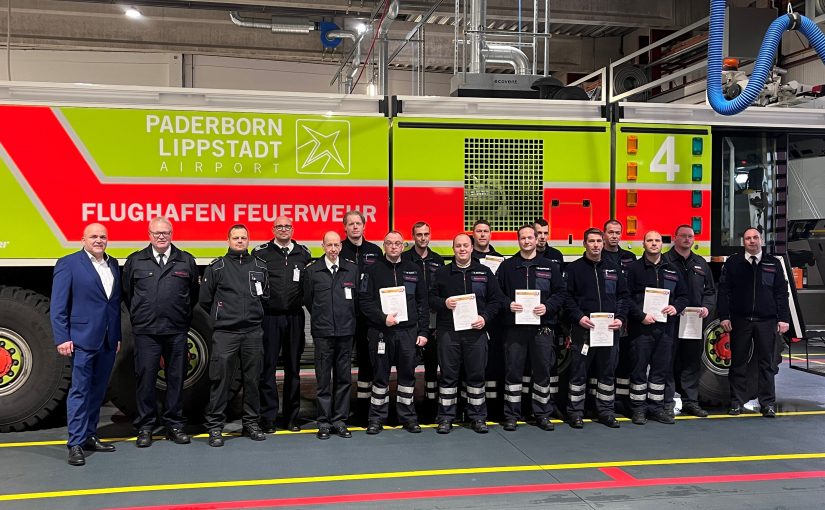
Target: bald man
pixel 330 297
pixel 652 329
pixel 85 316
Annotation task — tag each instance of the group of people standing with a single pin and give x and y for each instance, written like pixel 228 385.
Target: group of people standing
pixel 490 328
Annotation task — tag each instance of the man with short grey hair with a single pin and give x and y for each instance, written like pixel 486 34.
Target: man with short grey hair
pixel 160 289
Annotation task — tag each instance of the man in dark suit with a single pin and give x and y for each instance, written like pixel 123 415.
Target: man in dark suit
pixel 85 315
pixel 160 288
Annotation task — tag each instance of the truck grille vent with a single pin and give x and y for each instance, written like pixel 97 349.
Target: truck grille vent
pixel 503 182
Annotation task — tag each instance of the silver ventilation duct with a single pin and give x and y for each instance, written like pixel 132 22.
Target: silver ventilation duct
pixel 277 25
pixel 501 54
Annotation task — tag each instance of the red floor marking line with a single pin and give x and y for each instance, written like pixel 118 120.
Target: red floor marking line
pixel 622 480
pixel 618 474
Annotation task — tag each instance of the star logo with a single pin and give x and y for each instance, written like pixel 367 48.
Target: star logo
pixel 322 147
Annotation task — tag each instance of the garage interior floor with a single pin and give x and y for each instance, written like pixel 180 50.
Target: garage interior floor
pixel 713 463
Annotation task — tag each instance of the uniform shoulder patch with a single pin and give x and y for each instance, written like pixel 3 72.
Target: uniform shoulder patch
pixel 217 263
pixel 261 247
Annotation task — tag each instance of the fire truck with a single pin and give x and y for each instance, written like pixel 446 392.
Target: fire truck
pixel 75 154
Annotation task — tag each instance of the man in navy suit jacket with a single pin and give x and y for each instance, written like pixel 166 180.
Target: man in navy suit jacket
pixel 85 314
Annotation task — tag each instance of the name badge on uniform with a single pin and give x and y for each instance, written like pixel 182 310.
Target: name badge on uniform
pixel 382 347
pixel 347 293
pixel 296 275
pixel 585 349
pixel 259 290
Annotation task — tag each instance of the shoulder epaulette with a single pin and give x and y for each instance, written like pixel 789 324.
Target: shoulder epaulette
pixel 217 263
pixel 261 247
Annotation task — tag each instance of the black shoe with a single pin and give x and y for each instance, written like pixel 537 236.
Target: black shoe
pixel 694 409
pixel 576 421
pixel 178 436
pixel 374 427
pixel 479 427
pixel 544 423
pixel 268 426
pixel 609 421
pixel 93 444
pixel 215 438
pixel 735 410
pixel 662 417
pixel 76 456
pixel 342 431
pixel 323 432
pixel 769 411
pixel 639 418
pixel 510 425
pixel 444 427
pixel 412 427
pixel 254 432
pixel 144 439
pixel 293 427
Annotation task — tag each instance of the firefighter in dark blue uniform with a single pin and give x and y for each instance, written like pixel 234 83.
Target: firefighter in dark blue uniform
pixel 593 285
pixel 562 329
pixel 651 341
pixel 753 307
pixel 234 290
pixel 429 262
pixel 284 323
pixel 466 347
pixel 494 372
pixel 363 254
pixel 160 289
pixel 527 271
pixel 330 294
pixel 614 253
pixel 687 352
pixel 394 342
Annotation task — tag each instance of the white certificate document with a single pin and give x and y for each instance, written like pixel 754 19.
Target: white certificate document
pixel 690 324
pixel 465 312
pixel 529 299
pixel 601 335
pixel 492 262
pixel 656 300
pixel 394 300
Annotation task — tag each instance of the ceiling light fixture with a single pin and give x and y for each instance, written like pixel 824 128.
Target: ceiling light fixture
pixel 133 13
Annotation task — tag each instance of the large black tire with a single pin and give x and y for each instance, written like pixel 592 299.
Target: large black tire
pixel 195 386
pixel 34 378
pixel 714 389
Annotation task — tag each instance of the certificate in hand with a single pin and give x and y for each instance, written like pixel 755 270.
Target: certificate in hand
pixel 601 335
pixel 492 262
pixel 690 324
pixel 656 300
pixel 528 299
pixel 465 312
pixel 394 300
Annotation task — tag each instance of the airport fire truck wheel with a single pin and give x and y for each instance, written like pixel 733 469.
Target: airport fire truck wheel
pixel 195 385
pixel 34 378
pixel 714 388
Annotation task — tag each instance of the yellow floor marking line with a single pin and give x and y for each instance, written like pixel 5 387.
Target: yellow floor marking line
pixel 405 474
pixel 356 429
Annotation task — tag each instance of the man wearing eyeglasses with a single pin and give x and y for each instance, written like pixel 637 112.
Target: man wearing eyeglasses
pixel 283 324
pixel 393 297
pixel 160 289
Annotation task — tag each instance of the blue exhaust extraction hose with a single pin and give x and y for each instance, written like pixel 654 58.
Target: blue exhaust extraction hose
pixel 764 62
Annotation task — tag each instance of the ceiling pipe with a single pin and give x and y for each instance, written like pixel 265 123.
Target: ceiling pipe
pixel 384 51
pixel 276 26
pixel 502 54
pixel 478 24
pixel 342 34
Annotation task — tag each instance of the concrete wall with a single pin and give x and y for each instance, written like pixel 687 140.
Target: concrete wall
pixel 199 71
